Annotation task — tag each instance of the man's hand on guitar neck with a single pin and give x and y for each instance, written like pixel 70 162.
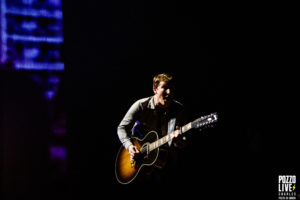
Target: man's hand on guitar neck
pixel 178 140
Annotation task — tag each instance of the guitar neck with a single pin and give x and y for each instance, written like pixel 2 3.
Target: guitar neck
pixel 169 137
pixel 200 122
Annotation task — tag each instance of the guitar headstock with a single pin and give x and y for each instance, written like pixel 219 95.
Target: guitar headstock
pixel 205 120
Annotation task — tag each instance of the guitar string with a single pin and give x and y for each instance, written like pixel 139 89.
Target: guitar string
pixel 165 139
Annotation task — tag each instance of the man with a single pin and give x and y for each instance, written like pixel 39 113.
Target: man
pixel 160 113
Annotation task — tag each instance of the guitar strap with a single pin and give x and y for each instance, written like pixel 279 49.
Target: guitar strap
pixel 165 127
pixel 171 127
pixel 159 123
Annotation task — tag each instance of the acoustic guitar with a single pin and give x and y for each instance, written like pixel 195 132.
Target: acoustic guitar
pixel 126 171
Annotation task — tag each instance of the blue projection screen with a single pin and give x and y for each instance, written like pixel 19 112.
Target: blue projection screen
pixel 31 35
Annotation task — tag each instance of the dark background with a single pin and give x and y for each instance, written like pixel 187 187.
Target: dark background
pixel 113 49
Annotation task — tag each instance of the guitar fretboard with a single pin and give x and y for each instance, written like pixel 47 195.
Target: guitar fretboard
pixel 169 137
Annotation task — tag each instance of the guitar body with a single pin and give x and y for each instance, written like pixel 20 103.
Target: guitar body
pixel 127 172
pixel 150 148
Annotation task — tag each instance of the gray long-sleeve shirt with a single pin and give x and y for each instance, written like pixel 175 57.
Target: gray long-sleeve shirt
pixel 147 114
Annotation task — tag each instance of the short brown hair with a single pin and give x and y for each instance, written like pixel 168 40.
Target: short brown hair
pixel 161 77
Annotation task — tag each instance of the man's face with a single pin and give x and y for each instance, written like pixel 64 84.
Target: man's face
pixel 164 94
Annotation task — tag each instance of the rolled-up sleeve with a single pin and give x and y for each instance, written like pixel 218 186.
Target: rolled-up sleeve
pixel 125 126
